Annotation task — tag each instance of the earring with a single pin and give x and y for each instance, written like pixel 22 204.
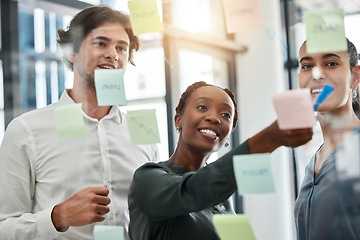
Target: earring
pixel 177 129
pixel 227 143
pixel 354 93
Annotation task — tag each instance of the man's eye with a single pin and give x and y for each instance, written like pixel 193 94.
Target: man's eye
pixel 121 49
pixel 101 44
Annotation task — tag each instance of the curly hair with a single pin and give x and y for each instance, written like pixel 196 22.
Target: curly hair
pixel 87 20
pixel 190 89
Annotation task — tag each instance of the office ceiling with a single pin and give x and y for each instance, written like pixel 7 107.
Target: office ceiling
pixel 349 6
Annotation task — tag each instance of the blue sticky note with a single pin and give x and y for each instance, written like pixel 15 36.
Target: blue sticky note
pixel 253 173
pixel 69 121
pixel 142 125
pixel 109 85
pixel 325 31
pixel 106 232
pixel 233 227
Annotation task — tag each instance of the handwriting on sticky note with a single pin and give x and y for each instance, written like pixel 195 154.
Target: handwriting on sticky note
pixel 109 85
pixel 294 109
pixel 242 15
pixel 106 232
pixel 325 31
pixel 69 121
pixel 144 16
pixel 233 227
pixel 253 173
pixel 143 127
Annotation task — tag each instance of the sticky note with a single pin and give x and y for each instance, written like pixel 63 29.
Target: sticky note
pixel 143 126
pixel 347 157
pixel 294 109
pixel 109 85
pixel 242 15
pixel 253 173
pixel 233 227
pixel 144 16
pixel 325 31
pixel 106 232
pixel 69 121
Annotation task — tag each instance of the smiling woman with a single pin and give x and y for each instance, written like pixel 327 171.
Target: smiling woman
pixel 322 209
pixel 176 199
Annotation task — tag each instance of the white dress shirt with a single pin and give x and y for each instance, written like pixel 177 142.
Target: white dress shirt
pixel 38 170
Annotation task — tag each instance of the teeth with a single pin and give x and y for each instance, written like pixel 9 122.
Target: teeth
pixel 317 90
pixel 207 131
pixel 106 67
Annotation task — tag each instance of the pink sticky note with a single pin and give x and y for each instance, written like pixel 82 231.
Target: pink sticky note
pixel 294 109
pixel 242 15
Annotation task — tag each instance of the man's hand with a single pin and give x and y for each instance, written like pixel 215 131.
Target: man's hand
pixel 272 137
pixel 85 207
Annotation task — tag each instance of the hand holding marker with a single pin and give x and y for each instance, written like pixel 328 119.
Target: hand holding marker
pixel 322 96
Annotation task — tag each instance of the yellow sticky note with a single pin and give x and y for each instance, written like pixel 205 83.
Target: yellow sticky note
pixel 109 85
pixel 143 127
pixel 242 15
pixel 294 109
pixel 106 232
pixel 233 227
pixel 144 16
pixel 253 173
pixel 325 31
pixel 69 121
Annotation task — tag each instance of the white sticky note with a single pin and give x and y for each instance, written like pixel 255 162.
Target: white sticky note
pixel 253 173
pixel 316 72
pixel 294 109
pixel 109 85
pixel 347 158
pixel 106 232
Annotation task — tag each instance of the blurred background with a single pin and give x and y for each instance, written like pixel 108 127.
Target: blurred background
pixel 194 46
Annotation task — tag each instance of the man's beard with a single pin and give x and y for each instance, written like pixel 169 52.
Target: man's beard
pixel 89 81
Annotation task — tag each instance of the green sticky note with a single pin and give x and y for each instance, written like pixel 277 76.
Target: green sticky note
pixel 143 126
pixel 69 121
pixel 253 173
pixel 109 85
pixel 325 31
pixel 233 227
pixel 144 16
pixel 106 232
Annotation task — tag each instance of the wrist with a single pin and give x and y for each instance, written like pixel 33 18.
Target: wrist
pixel 58 220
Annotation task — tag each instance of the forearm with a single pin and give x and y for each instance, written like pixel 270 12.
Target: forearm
pixel 28 226
pixel 271 137
pixel 263 142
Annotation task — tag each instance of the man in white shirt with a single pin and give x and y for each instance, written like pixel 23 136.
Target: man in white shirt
pixel 55 188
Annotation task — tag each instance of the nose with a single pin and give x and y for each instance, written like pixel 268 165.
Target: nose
pixel 112 54
pixel 212 118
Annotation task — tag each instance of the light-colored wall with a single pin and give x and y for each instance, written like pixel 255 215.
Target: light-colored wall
pixel 260 74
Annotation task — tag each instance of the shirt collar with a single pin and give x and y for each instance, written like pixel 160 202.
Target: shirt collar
pixel 114 113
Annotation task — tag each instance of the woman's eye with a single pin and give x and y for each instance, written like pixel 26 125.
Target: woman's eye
pixel 331 64
pixel 227 115
pixel 306 66
pixel 202 107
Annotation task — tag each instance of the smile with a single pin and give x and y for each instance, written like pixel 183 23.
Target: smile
pixel 106 66
pixel 210 134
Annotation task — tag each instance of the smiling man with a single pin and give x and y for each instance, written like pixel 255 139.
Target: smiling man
pixel 55 188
